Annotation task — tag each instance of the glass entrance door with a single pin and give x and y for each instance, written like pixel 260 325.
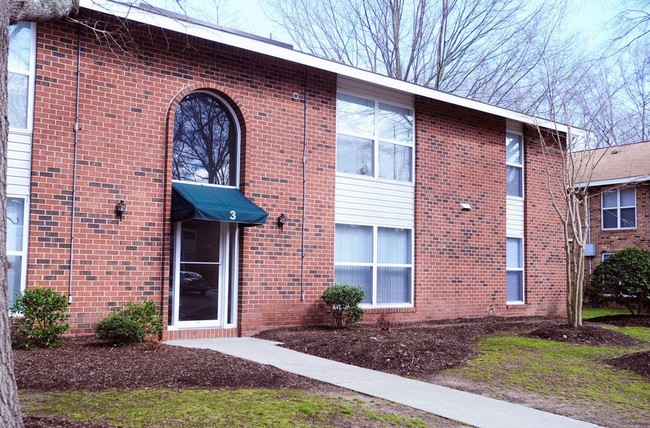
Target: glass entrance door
pixel 201 254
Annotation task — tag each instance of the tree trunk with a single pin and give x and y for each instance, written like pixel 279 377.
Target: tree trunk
pixel 13 11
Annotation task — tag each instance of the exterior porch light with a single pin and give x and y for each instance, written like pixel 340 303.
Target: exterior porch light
pixel 119 209
pixel 282 219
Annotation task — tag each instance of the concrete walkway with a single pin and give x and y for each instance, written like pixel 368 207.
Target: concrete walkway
pixel 449 403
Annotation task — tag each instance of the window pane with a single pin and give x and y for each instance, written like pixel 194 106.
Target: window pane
pixel 393 285
pixel 360 276
pixel 514 184
pixel 514 256
pixel 610 220
pixel 205 142
pixel 199 295
pixel 353 244
pixel 393 246
pixel 19 46
pixel 200 241
pixel 18 86
pixel 610 200
pixel 395 162
pixel 395 123
pixel 628 198
pixel 355 115
pixel 14 274
pixel 515 287
pixel 513 149
pixel 355 155
pixel 628 217
pixel 15 223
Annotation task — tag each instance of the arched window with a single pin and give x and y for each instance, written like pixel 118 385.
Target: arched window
pixel 206 137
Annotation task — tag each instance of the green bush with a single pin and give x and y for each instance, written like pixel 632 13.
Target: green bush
pixel 120 329
pixel 44 318
pixel 623 278
pixel 131 323
pixel 343 301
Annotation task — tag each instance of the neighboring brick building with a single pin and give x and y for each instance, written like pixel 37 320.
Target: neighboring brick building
pixel 434 204
pixel 619 208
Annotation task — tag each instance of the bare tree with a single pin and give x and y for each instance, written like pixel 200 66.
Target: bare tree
pixel 477 48
pixel 12 11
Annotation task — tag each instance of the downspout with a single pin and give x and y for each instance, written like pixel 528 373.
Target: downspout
pixel 74 165
pixel 304 191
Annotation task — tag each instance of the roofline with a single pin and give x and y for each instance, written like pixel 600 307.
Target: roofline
pixel 613 181
pixel 137 14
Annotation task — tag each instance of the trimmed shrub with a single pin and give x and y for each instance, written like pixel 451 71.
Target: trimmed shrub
pixel 131 323
pixel 623 278
pixel 343 301
pixel 120 329
pixel 44 318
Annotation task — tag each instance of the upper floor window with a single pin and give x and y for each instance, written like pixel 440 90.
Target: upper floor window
pixel 514 165
pixel 374 139
pixel 20 66
pixel 619 209
pixel 206 141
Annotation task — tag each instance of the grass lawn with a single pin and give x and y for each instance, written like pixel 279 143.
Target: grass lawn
pixel 574 375
pixel 210 408
pixel 588 313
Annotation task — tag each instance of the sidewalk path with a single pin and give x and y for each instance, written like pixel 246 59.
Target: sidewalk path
pixel 449 403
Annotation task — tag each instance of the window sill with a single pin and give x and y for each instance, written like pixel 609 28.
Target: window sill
pixel 388 310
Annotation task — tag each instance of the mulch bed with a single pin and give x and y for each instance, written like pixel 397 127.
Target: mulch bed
pixel 409 349
pixel 623 320
pixel 413 349
pixel 84 363
pixel 585 335
pixel 638 363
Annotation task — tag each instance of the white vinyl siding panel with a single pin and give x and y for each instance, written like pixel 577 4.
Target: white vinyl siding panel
pixel 367 201
pixel 364 89
pixel 514 217
pixel 18 164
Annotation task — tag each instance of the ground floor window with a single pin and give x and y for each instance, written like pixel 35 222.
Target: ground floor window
pixel 515 270
pixel 16 245
pixel 379 260
pixel 203 285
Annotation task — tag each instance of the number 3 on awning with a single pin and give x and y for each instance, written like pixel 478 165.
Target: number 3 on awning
pixel 233 215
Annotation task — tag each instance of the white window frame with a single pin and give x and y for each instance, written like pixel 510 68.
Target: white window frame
pixel 374 265
pixel 23 252
pixel 376 139
pixel 516 165
pixel 618 209
pixel 30 73
pixel 521 269
pixel 605 256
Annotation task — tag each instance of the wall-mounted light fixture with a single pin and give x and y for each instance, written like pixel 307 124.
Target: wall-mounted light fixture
pixel 282 219
pixel 119 209
pixel 465 207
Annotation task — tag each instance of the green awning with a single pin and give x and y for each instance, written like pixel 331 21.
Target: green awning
pixel 214 203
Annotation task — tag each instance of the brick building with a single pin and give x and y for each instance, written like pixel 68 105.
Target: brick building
pixel 251 176
pixel 619 206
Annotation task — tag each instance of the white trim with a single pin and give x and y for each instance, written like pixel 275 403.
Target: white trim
pixel 613 181
pixel 133 13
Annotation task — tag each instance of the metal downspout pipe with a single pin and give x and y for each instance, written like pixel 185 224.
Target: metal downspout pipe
pixel 74 166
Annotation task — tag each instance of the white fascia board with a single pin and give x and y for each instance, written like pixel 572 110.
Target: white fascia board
pixel 615 181
pixel 133 13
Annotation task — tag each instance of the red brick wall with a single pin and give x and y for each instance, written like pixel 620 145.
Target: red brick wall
pixel 126 100
pixel 128 95
pixel 611 241
pixel 544 241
